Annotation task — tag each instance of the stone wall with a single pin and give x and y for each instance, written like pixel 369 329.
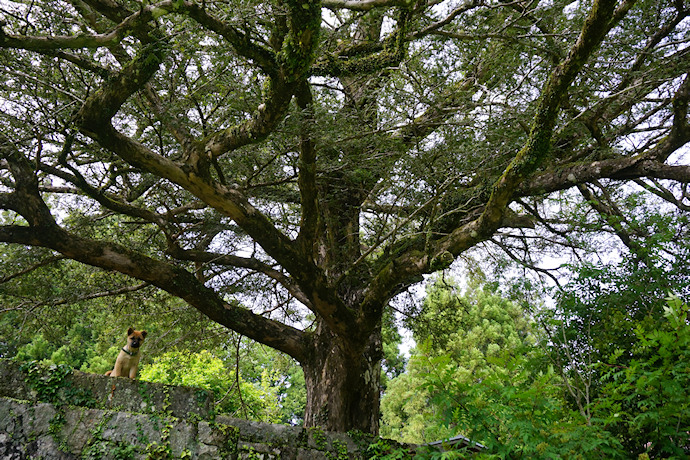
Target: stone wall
pixel 57 413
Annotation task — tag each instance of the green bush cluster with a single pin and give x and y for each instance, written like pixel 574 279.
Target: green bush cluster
pixel 518 403
pixel 233 395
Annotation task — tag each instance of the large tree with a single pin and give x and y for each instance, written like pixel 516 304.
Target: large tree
pixel 289 167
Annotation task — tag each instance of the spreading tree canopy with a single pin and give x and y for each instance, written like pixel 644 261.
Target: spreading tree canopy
pixel 288 167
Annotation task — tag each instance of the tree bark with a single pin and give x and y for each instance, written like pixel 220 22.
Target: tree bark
pixel 343 383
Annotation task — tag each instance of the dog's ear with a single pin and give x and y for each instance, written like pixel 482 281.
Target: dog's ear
pixel 129 331
pixel 143 334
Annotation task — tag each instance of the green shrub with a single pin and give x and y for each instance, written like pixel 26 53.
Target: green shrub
pixel 256 401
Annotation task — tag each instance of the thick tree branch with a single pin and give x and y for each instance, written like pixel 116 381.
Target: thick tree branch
pixel 135 21
pixel 596 26
pixel 240 41
pixel 413 262
pixel 102 106
pixel 361 5
pixel 267 116
pixel 617 168
pixel 25 199
pixel 681 99
pixel 307 173
pixel 370 57
pixel 111 9
pixel 168 277
pixel 294 61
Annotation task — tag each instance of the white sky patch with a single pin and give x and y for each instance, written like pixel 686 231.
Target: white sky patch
pixel 570 10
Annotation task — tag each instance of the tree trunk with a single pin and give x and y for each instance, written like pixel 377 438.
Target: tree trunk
pixel 343 383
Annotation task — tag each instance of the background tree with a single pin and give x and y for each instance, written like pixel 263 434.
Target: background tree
pixel 638 406
pixel 288 167
pixel 473 331
pixel 235 397
pixel 614 388
pixel 604 375
pixel 602 324
pixel 645 396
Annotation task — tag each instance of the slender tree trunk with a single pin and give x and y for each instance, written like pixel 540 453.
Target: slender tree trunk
pixel 343 383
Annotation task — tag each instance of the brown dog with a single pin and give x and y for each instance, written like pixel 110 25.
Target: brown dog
pixel 127 362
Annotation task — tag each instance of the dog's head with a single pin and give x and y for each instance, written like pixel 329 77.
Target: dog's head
pixel 135 338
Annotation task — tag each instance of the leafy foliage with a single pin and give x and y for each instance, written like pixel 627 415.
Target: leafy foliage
pixel 598 311
pixel 515 405
pixel 516 412
pixel 203 370
pixel 646 395
pixel 471 333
